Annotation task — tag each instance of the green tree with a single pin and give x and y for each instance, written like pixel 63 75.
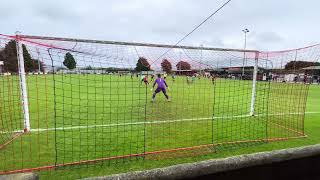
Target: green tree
pixel 142 64
pixel 294 65
pixel 69 61
pixel 29 63
pixel 9 57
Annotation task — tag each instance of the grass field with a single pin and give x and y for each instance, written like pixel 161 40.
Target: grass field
pixel 98 116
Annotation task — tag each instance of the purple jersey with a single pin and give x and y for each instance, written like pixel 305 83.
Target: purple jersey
pixel 161 83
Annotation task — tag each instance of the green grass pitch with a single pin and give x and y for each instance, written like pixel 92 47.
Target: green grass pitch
pixel 101 116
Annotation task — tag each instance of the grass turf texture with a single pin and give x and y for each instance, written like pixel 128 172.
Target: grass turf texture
pixel 121 107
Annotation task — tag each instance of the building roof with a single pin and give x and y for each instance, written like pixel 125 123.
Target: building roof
pixel 241 67
pixel 182 70
pixel 312 68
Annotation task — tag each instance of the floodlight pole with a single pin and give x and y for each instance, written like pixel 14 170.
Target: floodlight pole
pixel 39 64
pixel 180 62
pixel 201 57
pixel 23 83
pixel 254 84
pixel 245 31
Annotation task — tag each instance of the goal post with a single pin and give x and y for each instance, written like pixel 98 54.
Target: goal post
pixel 254 84
pixel 23 83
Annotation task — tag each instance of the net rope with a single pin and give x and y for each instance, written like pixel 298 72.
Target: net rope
pixel 101 112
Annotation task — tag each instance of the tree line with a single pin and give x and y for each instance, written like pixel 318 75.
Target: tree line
pixel 294 65
pixel 8 55
pixel 10 62
pixel 143 65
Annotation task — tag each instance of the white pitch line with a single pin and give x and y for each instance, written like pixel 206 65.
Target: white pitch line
pixel 151 122
pixel 126 124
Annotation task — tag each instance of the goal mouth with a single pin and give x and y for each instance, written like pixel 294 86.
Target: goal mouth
pixel 78 102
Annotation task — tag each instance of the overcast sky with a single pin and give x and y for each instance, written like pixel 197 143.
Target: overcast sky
pixel 273 24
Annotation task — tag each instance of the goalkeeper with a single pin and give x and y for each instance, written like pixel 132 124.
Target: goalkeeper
pixel 162 85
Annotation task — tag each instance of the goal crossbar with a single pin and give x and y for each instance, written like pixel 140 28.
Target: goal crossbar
pixel 135 44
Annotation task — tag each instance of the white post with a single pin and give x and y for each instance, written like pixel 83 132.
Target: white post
pixel 254 84
pixel 245 31
pixel 39 67
pixel 244 54
pixel 201 58
pixel 23 83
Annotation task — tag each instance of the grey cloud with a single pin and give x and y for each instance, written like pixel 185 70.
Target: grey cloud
pixel 57 12
pixel 54 14
pixel 269 37
pixel 273 24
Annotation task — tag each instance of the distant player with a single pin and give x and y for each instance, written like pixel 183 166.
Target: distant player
pixel 145 80
pixel 305 78
pixel 193 78
pixel 188 80
pixel 173 77
pixel 212 79
pixel 162 85
pixel 141 78
pixel 165 76
pixel 152 77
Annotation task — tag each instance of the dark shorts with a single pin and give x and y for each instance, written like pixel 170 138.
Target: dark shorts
pixel 161 89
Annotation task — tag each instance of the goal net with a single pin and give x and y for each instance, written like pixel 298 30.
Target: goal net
pixel 88 101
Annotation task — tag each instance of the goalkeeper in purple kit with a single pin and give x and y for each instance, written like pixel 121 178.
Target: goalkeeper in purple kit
pixel 162 85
